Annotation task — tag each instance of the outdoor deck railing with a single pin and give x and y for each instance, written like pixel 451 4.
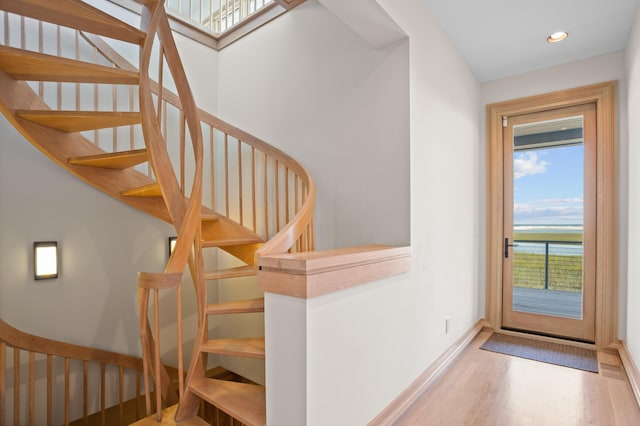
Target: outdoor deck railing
pixel 548 264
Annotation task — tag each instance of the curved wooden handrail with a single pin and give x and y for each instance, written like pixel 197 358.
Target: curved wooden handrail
pixel 15 338
pixel 286 237
pixel 76 366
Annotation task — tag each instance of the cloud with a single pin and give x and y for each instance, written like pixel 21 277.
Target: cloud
pixel 527 164
pixel 561 201
pixel 546 213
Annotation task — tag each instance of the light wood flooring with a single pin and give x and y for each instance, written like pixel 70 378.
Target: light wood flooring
pixel 486 388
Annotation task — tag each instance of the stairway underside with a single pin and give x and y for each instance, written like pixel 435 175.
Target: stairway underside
pixel 16 97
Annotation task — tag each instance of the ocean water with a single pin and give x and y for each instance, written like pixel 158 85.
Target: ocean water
pixel 561 249
pixel 560 229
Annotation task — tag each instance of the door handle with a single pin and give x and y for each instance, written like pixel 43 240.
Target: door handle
pixel 506 247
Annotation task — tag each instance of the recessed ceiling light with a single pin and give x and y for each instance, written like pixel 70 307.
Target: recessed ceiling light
pixel 556 37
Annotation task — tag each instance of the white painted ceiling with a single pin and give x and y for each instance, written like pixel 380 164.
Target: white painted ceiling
pixel 500 38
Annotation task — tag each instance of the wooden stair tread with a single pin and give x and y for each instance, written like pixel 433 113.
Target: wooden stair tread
pixel 150 190
pixel 251 347
pixel 168 419
pixel 228 233
pixel 237 307
pixel 75 14
pixel 32 66
pixel 79 121
pixel 240 271
pixel 231 241
pixel 244 402
pixel 112 160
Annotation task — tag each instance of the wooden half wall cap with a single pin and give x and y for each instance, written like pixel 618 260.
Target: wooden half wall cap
pixel 316 273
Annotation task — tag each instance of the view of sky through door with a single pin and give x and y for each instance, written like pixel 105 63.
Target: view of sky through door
pixel 548 183
pixel 548 217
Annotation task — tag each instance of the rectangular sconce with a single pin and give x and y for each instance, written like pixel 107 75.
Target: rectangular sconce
pixel 172 244
pixel 45 260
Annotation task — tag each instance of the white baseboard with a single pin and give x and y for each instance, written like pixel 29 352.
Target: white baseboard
pixel 396 409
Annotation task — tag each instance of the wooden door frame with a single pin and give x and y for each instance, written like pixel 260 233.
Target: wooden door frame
pixel 604 96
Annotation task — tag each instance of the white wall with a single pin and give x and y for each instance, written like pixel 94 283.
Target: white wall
pixel 103 245
pixel 308 85
pixel 633 192
pixel 575 74
pixel 365 345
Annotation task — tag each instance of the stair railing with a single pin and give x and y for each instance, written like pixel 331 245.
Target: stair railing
pixel 66 370
pixel 246 180
pixel 184 210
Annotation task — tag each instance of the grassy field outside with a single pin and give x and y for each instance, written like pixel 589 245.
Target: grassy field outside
pixel 548 236
pixel 565 271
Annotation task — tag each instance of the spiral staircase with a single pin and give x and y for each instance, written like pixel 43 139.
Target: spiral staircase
pixel 229 191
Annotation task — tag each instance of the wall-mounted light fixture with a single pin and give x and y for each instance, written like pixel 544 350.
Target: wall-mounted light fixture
pixel 45 260
pixel 172 244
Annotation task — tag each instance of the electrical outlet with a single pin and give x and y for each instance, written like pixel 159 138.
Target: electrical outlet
pixel 447 325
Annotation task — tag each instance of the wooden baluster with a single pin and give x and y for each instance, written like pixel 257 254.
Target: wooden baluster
pixel 297 207
pixel 85 391
pixel 253 188
pixel 160 81
pixel 156 321
pixel 67 388
pixel 32 388
pixel 131 127
pixel 226 172
pixel 266 198
pixel 277 195
pixel 114 132
pixel 240 182
pixel 138 413
pixel 49 390
pixel 144 308
pixel 164 130
pixel 305 234
pixel 16 386
pixel 103 392
pixel 121 394
pixel 183 132
pixel 41 50
pixel 212 168
pixel 96 97
pixel 3 383
pixel 77 52
pixel 180 352
pixel 286 190
pixel 59 53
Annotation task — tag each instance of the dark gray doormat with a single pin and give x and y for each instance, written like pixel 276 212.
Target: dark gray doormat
pixel 551 353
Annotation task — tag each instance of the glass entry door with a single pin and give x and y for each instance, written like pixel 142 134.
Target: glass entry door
pixel 549 223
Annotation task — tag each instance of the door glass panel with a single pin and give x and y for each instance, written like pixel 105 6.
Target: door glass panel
pixel 548 194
